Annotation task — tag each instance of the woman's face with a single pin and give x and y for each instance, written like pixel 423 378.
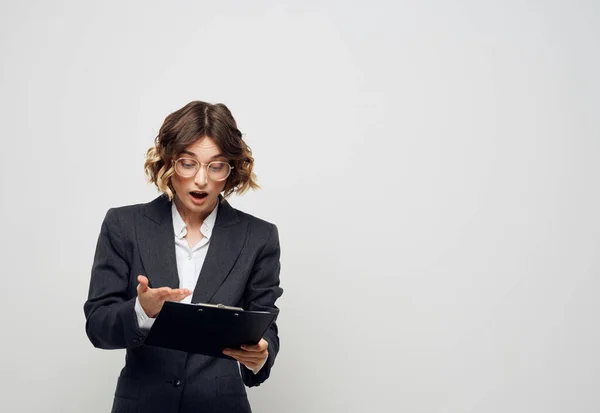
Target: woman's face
pixel 199 194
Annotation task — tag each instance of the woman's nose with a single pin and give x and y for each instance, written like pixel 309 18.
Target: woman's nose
pixel 201 177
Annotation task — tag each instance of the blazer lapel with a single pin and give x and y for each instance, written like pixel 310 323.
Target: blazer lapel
pixel 226 242
pixel 156 240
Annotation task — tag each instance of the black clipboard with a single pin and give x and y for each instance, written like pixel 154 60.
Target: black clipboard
pixel 207 328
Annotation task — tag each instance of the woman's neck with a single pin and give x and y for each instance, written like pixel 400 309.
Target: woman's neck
pixel 192 221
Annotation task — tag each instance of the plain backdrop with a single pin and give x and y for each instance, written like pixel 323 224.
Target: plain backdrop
pixel 432 167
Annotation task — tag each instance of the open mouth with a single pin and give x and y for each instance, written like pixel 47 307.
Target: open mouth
pixel 198 194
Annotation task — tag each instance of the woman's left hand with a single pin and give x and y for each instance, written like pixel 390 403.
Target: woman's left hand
pixel 253 357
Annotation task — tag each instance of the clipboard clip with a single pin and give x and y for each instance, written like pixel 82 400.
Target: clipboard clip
pixel 227 307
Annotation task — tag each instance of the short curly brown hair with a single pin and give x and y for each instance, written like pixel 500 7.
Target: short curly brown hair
pixel 185 126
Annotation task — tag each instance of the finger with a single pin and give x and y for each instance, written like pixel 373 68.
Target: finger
pixel 163 292
pixel 245 361
pixel 261 346
pixel 251 364
pixel 237 358
pixel 178 294
pixel 251 348
pixel 183 291
pixel 177 290
pixel 242 351
pixel 245 355
pixel 176 297
pixel 143 283
pixel 185 294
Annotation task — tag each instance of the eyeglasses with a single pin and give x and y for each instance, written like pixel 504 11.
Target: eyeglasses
pixel 188 167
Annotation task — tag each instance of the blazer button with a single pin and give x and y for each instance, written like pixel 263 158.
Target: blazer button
pixel 177 383
pixel 136 341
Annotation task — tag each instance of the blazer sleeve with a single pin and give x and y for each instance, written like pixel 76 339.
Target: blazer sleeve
pixel 111 321
pixel 262 290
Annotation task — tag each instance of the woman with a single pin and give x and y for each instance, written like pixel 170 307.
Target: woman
pixel 187 245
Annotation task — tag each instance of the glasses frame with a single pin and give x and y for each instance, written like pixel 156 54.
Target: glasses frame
pixel 200 164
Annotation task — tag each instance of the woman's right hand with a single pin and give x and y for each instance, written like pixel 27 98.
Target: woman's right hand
pixel 152 299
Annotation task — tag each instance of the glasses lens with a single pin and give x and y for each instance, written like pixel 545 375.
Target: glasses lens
pixel 218 171
pixel 186 167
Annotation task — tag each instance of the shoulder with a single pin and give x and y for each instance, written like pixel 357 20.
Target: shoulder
pixel 258 227
pixel 124 216
pixel 252 219
pixel 123 213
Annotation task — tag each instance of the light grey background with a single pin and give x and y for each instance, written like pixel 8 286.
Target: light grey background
pixel 432 167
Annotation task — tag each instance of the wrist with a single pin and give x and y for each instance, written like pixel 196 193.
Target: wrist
pixel 148 310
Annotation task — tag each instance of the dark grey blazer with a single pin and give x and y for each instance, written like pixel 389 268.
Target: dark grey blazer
pixel 241 269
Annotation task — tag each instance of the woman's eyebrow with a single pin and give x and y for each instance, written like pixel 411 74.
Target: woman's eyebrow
pixel 219 155
pixel 188 153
